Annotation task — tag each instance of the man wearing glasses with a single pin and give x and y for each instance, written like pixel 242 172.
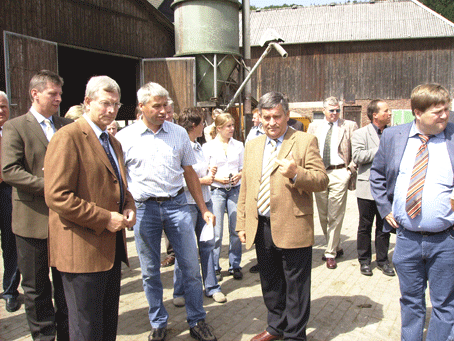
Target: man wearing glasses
pixel 334 140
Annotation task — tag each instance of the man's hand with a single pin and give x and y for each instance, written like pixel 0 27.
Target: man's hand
pixel 130 217
pixel 391 221
pixel 287 167
pixel 209 218
pixel 117 222
pixel 242 236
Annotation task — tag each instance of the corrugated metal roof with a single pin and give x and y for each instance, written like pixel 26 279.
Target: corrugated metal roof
pixel 382 20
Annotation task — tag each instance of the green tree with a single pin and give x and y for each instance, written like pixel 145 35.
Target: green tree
pixel 443 7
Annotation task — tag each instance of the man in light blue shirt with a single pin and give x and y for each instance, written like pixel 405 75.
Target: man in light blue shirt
pixel 424 249
pixel 158 154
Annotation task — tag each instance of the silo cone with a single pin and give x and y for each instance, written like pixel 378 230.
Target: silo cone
pixel 208 30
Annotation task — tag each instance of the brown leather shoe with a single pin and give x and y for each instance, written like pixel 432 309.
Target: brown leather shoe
pixel 331 263
pixel 265 336
pixel 168 261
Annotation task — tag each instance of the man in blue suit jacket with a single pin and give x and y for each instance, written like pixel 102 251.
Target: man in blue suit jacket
pixel 424 249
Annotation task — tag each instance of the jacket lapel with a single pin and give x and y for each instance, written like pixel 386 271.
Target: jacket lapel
pixel 373 136
pixel 340 131
pixel 35 127
pixel 286 147
pixel 95 144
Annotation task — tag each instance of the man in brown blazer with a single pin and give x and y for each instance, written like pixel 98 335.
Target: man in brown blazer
pixel 280 220
pixel 334 138
pixel 24 143
pixel 90 206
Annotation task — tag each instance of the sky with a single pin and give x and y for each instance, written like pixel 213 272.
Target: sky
pixel 264 3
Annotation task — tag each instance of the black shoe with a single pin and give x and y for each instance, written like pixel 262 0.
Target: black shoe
pixel 254 269
pixel 202 332
pixel 386 269
pixel 12 304
pixel 218 275
pixel 366 270
pixel 157 334
pixel 339 253
pixel 236 273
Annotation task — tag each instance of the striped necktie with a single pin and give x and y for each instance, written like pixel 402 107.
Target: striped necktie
pixel 263 199
pixel 418 175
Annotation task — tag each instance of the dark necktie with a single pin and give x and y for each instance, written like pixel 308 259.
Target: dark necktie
pixel 105 144
pixel 327 147
pixel 418 175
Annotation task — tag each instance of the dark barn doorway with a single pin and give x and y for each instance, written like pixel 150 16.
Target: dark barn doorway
pixel 77 66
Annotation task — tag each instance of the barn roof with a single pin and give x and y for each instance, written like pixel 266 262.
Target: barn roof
pixel 374 20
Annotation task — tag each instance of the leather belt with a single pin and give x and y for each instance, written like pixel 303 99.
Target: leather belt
pixel 427 233
pixel 336 167
pixel 161 199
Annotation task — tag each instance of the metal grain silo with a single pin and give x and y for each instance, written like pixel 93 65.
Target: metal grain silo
pixel 209 31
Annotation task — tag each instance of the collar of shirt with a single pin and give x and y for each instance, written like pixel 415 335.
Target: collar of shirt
pixel 40 118
pixel 196 145
pixel 414 131
pixel 279 140
pixel 326 123
pixel 144 129
pixel 95 128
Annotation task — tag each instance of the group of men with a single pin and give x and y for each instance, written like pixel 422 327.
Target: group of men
pixel 75 189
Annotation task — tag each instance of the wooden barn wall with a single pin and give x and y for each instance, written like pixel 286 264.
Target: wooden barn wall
pixel 127 27
pixel 176 75
pixel 355 70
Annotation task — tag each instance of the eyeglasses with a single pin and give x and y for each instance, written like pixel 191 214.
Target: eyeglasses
pixel 107 105
pixel 229 185
pixel 332 111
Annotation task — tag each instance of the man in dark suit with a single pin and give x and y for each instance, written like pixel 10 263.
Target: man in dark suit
pixel 412 181
pixel 25 139
pixel 11 274
pixel 275 211
pixel 90 206
pixel 364 146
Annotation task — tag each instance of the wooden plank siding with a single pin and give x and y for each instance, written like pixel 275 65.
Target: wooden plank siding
pixel 23 65
pixel 355 70
pixel 125 27
pixel 176 75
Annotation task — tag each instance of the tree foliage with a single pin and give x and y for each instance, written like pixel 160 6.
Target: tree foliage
pixel 443 7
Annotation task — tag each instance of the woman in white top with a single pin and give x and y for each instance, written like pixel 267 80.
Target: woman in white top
pixel 192 120
pixel 225 153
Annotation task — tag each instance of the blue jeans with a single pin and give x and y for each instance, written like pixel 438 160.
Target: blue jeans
pixel 420 259
pixel 222 198
pixel 206 257
pixel 175 218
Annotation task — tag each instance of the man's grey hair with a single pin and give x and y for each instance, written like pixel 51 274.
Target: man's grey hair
pixel 98 83
pixel 170 102
pixel 150 90
pixel 333 101
pixel 4 95
pixel 271 100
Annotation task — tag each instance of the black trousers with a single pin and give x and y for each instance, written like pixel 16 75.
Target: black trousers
pixel 367 212
pixel 44 321
pixel 93 300
pixel 11 274
pixel 285 276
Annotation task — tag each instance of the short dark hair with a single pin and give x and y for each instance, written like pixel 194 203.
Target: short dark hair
pixel 373 108
pixel 271 100
pixel 190 117
pixel 39 81
pixel 426 95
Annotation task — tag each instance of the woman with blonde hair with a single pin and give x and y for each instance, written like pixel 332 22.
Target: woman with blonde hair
pixel 225 153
